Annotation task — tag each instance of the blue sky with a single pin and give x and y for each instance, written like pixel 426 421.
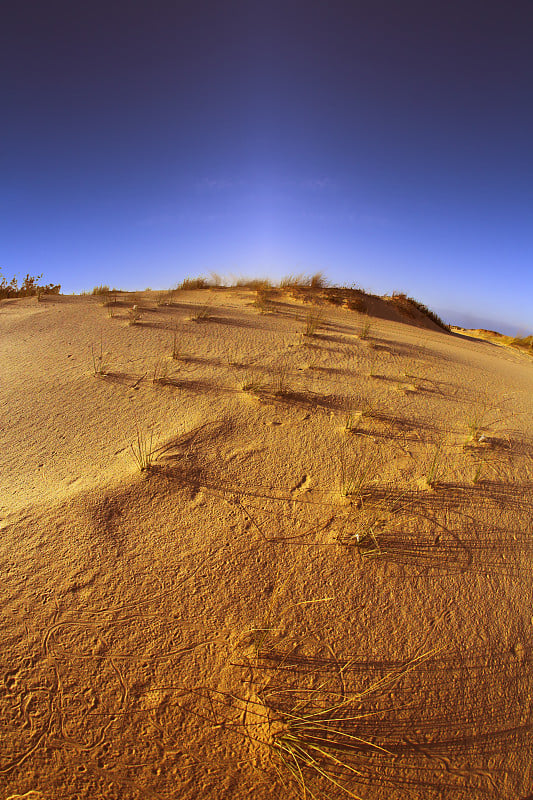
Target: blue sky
pixel 385 143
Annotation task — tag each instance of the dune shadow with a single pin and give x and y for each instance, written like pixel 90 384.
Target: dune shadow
pixel 123 377
pixel 231 322
pixel 143 323
pixel 308 400
pixel 190 385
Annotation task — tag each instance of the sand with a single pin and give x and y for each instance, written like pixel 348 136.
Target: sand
pixel 321 581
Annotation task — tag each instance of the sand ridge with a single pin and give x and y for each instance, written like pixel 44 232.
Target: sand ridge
pixel 324 580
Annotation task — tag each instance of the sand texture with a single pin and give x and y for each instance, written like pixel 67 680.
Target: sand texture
pixel 321 587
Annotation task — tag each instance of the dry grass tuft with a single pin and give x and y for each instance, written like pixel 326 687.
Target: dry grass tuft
pixel 142 449
pixel 100 359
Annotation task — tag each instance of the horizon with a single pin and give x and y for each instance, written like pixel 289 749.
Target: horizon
pixel 461 319
pixel 384 146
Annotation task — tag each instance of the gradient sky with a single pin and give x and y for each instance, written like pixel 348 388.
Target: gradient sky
pixel 388 143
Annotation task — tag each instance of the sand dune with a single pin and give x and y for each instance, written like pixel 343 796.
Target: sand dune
pixel 323 580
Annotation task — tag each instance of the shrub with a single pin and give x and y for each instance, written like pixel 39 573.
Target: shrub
pixel 29 286
pixel 194 283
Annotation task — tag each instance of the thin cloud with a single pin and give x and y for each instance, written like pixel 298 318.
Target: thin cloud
pixel 318 184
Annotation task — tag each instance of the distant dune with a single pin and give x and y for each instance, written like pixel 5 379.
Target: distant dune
pixel 263 543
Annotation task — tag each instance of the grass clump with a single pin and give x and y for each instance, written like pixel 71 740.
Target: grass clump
pixel 352 420
pixel 358 470
pixel 480 421
pixel 263 299
pixel 256 284
pixel 281 374
pixel 323 737
pixel 142 449
pixel 435 467
pixel 165 298
pixel 160 373
pixel 301 281
pixel 203 314
pixel 314 320
pixel 251 381
pixel 194 283
pixel 364 333
pixel 175 348
pixel 100 359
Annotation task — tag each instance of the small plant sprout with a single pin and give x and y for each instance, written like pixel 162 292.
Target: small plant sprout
pixel 358 470
pixel 203 314
pixel 435 468
pixel 478 472
pixel 160 374
pixel 477 425
pixel 352 421
pixel 175 352
pixel 142 449
pixel 373 370
pixel 364 333
pixel 281 372
pixel 251 381
pixel 483 419
pixel 100 359
pixel 111 305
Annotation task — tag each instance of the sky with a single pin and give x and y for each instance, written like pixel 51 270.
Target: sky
pixel 386 143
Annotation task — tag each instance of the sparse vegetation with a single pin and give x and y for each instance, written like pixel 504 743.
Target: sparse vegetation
pixel 407 304
pixel 316 732
pixel 364 333
pixel 203 314
pixel 435 467
pixel 263 299
pixel 175 351
pixel 160 372
pixel 523 343
pixel 30 287
pixel 191 284
pixel 100 359
pixel 100 290
pixel 142 448
pixel 308 510
pixel 134 314
pixel 251 381
pixel 281 374
pixel 314 320
pixel 358 469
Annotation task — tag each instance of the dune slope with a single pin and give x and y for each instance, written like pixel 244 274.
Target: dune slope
pixel 322 583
